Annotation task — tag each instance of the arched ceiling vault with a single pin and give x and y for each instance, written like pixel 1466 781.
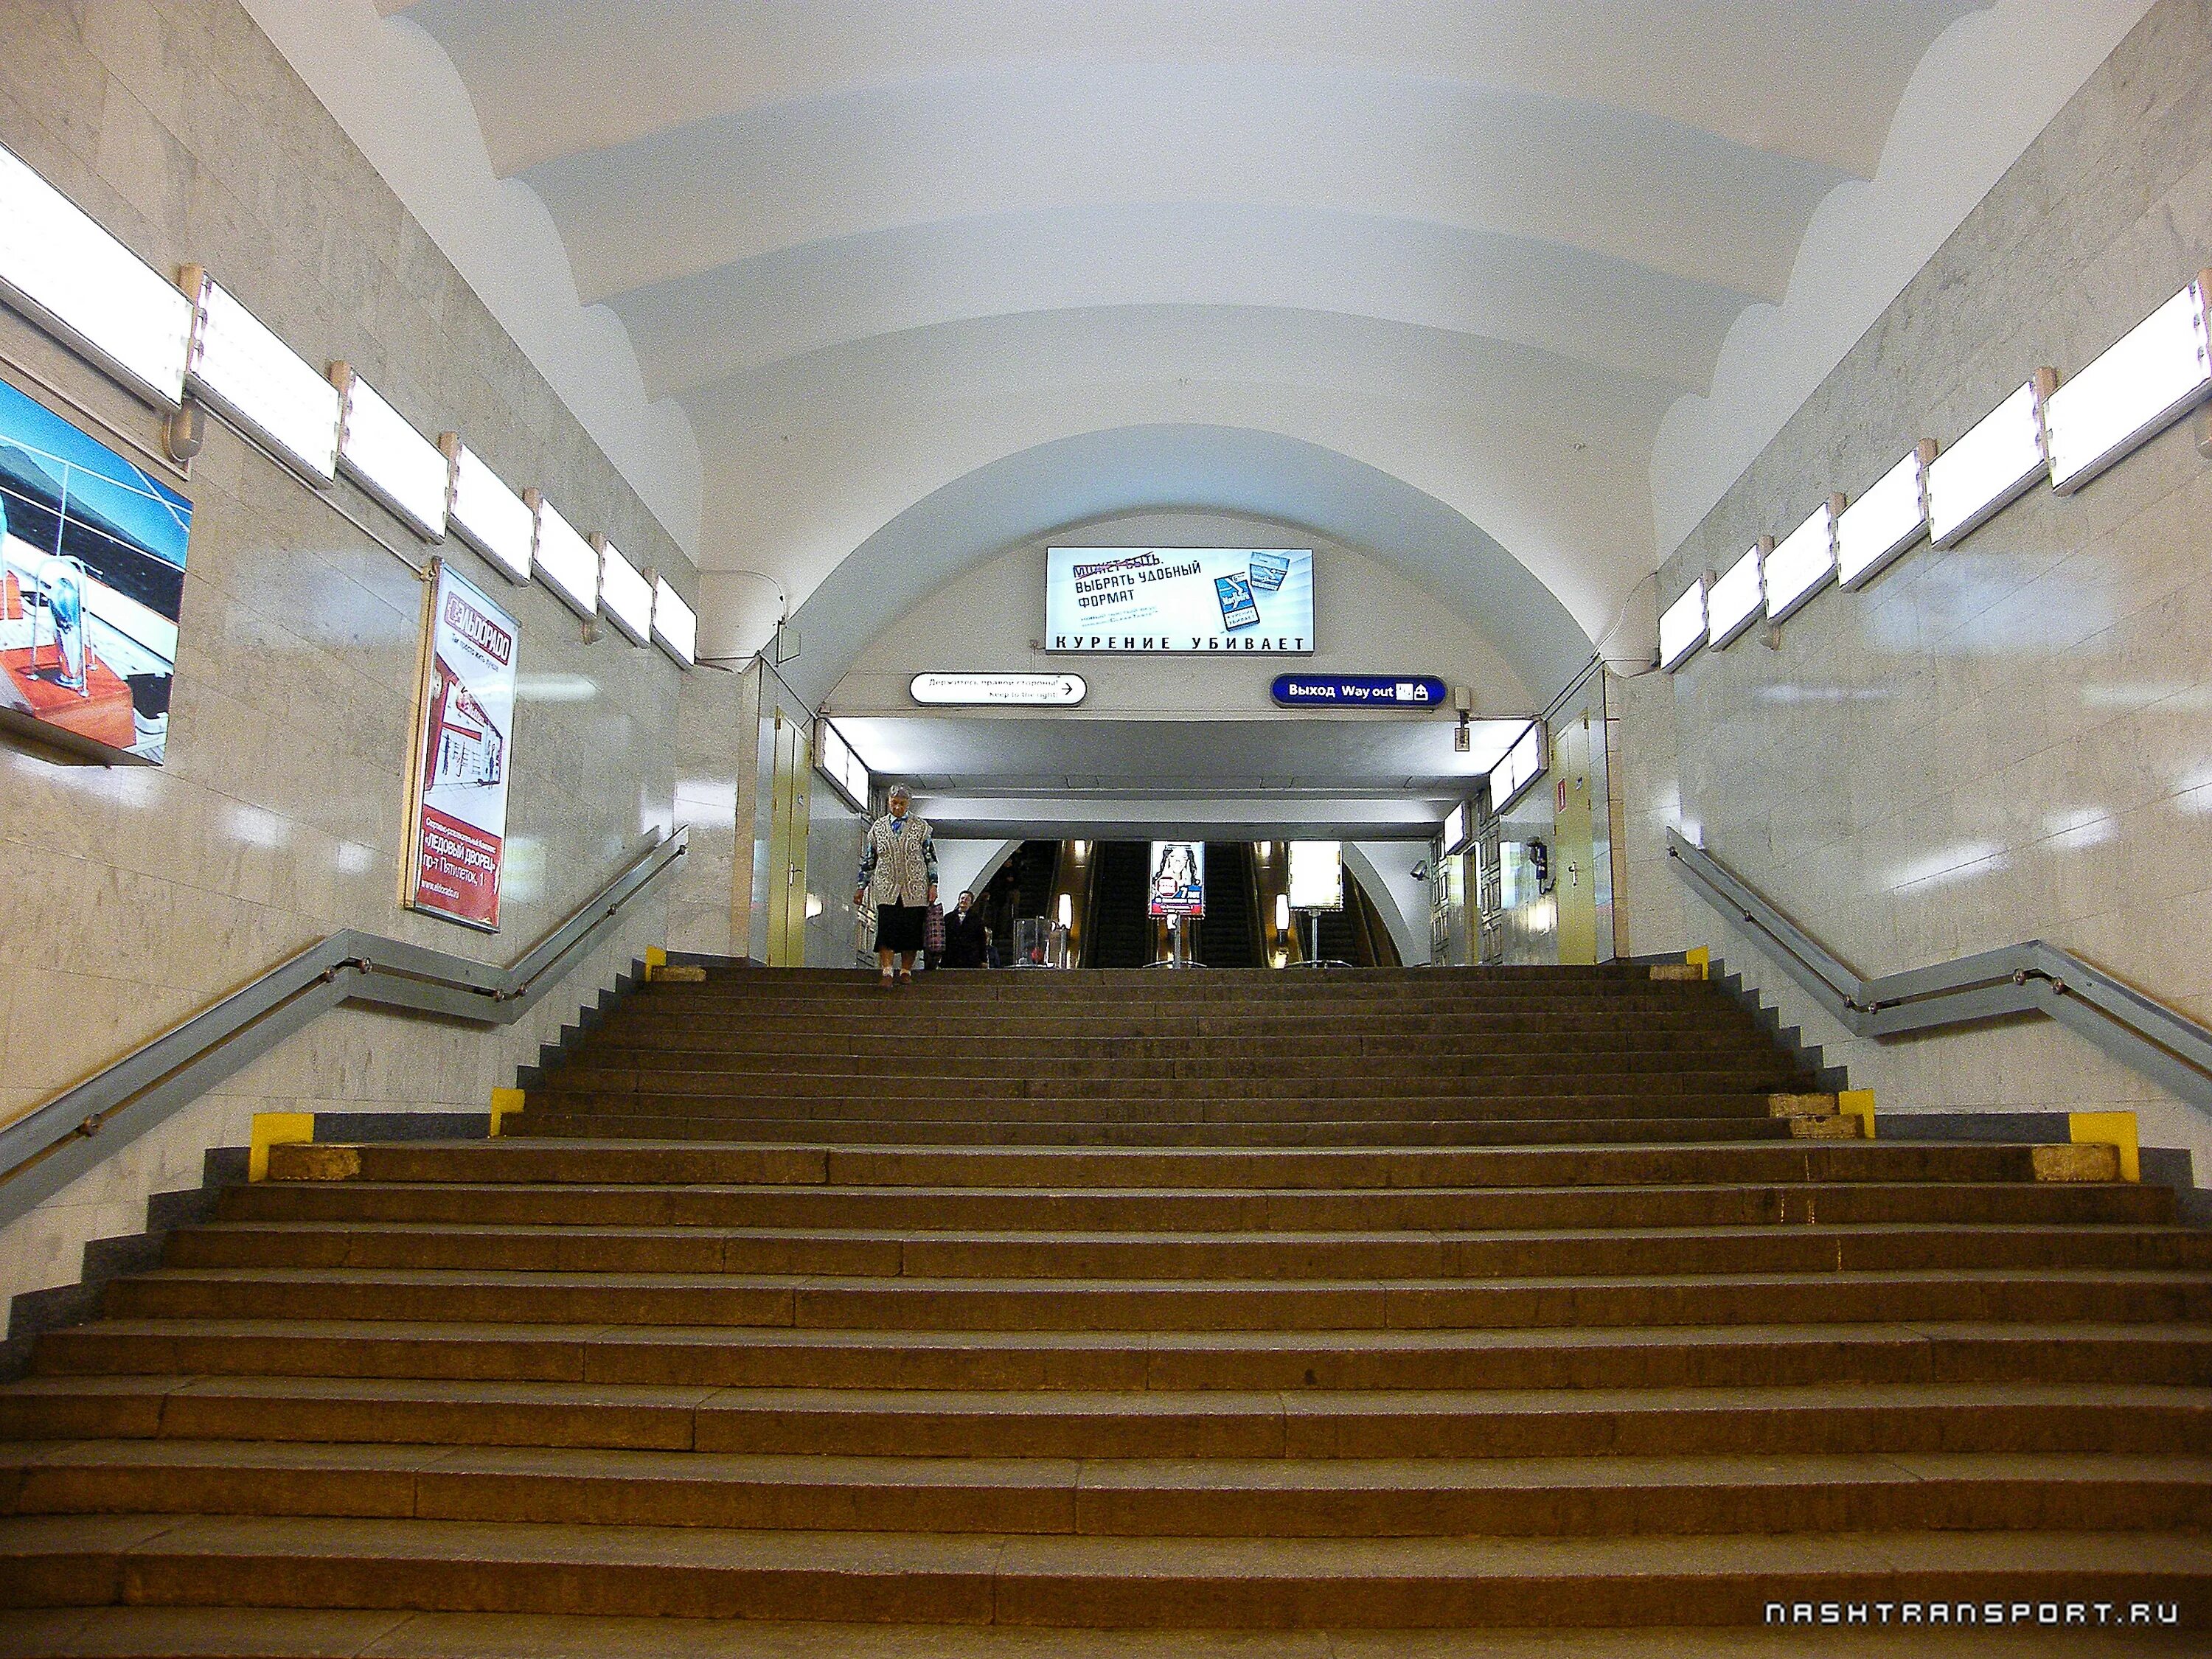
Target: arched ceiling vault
pixel 1473 248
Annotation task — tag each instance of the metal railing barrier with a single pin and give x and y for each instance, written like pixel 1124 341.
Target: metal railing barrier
pixel 51 1145
pixel 2031 978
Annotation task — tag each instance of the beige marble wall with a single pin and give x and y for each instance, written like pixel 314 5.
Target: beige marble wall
pixel 718 726
pixel 2009 739
pixel 133 897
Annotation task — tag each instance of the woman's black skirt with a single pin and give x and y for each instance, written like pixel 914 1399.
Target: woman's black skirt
pixel 898 926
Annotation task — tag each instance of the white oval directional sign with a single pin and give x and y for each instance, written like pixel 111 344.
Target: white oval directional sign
pixel 976 690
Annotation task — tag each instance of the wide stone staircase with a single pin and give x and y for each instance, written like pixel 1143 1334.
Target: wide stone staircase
pixel 1196 1301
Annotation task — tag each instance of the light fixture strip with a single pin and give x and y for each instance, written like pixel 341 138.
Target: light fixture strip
pixel 1802 563
pixel 68 274
pixel 486 514
pixel 251 377
pixel 1738 596
pixel 2151 376
pixel 564 559
pixel 1682 627
pixel 675 625
pixel 1993 466
pixel 1875 529
pixel 389 459
pixel 624 593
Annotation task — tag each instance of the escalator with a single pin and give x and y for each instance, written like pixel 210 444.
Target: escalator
pixel 1119 931
pixel 1229 935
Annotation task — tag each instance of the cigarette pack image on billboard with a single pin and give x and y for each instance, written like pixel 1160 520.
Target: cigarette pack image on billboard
pixel 92 578
pixel 1178 884
pixel 462 755
pixel 1180 601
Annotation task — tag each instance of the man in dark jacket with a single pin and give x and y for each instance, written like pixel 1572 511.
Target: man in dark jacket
pixel 964 943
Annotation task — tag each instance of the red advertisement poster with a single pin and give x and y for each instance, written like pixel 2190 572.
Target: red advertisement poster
pixel 459 824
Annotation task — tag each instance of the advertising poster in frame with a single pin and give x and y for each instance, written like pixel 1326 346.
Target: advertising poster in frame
pixel 464 728
pixel 1178 880
pixel 92 580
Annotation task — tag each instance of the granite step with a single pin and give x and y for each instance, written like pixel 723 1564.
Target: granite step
pixel 1069 1581
pixel 1590 1423
pixel 1974 1351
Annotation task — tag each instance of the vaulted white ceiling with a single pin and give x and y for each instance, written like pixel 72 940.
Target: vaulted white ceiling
pixel 1476 248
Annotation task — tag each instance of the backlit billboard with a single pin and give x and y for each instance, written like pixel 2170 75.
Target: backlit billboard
pixel 1182 601
pixel 92 580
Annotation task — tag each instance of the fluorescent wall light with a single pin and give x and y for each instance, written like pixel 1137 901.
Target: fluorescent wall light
pixel 65 271
pixel 1682 627
pixel 390 459
pixel 624 593
pixel 1456 836
pixel 1997 463
pixel 1802 562
pixel 1523 764
pixel 253 378
pixel 2156 372
pixel 566 560
pixel 841 764
pixel 488 515
pixel 675 625
pixel 1735 599
pixel 1876 529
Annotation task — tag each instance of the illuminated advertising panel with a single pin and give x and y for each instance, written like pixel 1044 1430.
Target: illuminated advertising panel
pixel 1993 466
pixel 1737 595
pixel 465 727
pixel 1178 880
pixel 1876 529
pixel 2136 387
pixel 92 578
pixel 1682 627
pixel 1802 565
pixel 569 564
pixel 1182 601
pixel 1317 875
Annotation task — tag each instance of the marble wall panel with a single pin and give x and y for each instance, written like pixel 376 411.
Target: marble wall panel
pixel 2002 741
pixel 135 896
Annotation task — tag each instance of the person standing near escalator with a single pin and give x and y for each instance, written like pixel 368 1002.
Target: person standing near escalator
pixel 898 876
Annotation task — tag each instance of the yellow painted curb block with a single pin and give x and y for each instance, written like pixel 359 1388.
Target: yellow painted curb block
pixel 1858 1104
pixel 2108 1129
pixel 1701 959
pixel 275 1129
pixel 655 960
pixel 504 1103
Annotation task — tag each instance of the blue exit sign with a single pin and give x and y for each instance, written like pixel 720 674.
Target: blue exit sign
pixel 1361 691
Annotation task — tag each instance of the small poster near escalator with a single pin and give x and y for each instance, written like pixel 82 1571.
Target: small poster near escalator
pixel 1178 883
pixel 458 821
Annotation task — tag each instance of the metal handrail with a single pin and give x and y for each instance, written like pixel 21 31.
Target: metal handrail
pixel 51 1145
pixel 2034 977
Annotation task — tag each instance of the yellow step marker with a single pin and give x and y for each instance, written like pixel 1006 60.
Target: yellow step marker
pixel 1858 1104
pixel 2116 1130
pixel 505 1103
pixel 275 1129
pixel 1701 959
pixel 655 960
